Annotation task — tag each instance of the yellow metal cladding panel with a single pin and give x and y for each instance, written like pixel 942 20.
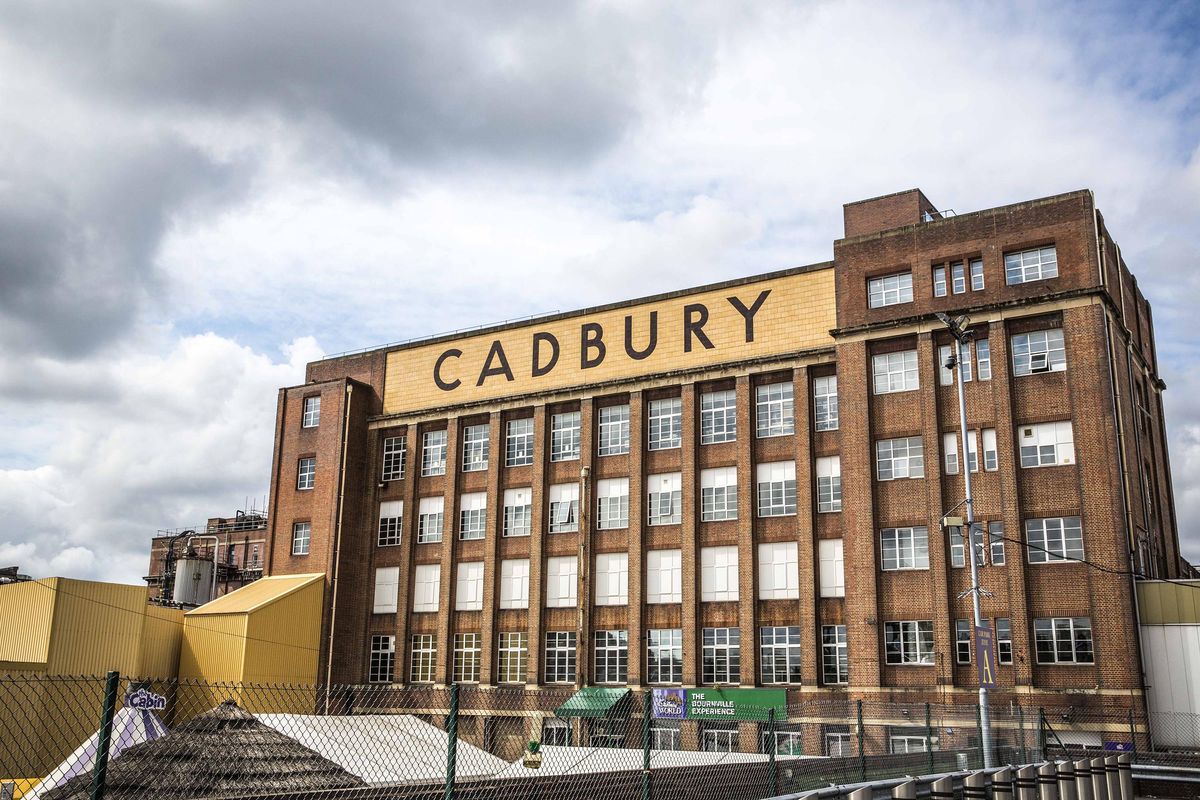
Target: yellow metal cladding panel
pixel 285 638
pixel 97 628
pixel 214 648
pixel 253 595
pixel 162 636
pixel 786 314
pixel 1161 603
pixel 26 618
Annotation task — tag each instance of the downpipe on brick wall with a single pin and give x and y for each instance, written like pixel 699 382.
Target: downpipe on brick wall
pixel 337 544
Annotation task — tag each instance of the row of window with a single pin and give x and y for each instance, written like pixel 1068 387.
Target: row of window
pixel 1025 266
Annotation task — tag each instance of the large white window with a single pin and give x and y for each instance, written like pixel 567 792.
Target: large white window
pixel 312 412
pixel 1035 264
pixel 1047 444
pixel 612 656
pixel 825 403
pixel 991 457
pixel 1004 643
pixel 395 452
pixel 895 372
pixel 721 651
pixel 830 556
pixel 472 515
pixel 890 290
pixel 387 589
pixel 664 577
pixel 1064 640
pixel 908 642
pixel 512 653
pixel 514 583
pixel 718 574
pixel 475 448
pixel 900 458
pixel 962 641
pixel 665 424
pixel 829 484
pixel 939 280
pixel 947 373
pixel 664 655
pixel 564 436
pixel 518 511
pixel 518 443
pixel 1054 539
pixel 306 473
pixel 778 571
pixel 612 579
pixel 612 501
pixel 983 359
pixel 665 496
pixel 383 659
pixel 391 519
pixel 427 587
pixel 718 417
pixel 958 278
pixel 560 661
pixel 613 439
pixel 562 582
pixel 564 507
pixel 468 592
pixel 775 410
pixel 835 655
pixel 433 453
pixel 301 538
pixel 718 494
pixel 776 489
pixel 1038 351
pixel 430 518
pixel 423 661
pixel 779 654
pixel 466 657
pixel 905 548
pixel 977 275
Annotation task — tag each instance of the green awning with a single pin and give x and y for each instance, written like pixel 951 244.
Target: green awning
pixel 595 702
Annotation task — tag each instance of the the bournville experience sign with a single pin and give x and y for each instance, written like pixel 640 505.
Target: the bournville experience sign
pixel 717 704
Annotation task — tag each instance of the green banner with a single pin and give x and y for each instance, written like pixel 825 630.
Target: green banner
pixel 747 704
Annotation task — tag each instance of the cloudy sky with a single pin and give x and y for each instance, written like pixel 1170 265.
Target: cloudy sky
pixel 197 197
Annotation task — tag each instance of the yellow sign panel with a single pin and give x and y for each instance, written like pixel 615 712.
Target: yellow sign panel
pixel 751 320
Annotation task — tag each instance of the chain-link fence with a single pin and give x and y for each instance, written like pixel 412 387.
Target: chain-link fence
pixel 176 738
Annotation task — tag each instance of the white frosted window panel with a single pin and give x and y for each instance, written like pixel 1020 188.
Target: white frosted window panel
pixel 832 568
pixel 469 589
pixel 1038 351
pixel 776 488
pixel 391 518
pixel 612 502
pixel 514 583
pixel 778 571
pixel 564 507
pixel 430 519
pixel 829 484
pixel 976 275
pixel 973 451
pixel 664 576
pixel 890 290
pixel 387 589
pixel 613 435
pixel 900 458
pixel 774 410
pixel 718 574
pixel 665 498
pixel 472 515
pixel 1046 444
pixel 718 417
pixel 475 448
pixel 939 281
pixel 562 577
pixel 518 511
pixel 612 579
pixel 825 403
pixel 950 451
pixel 958 278
pixel 991 458
pixel 427 587
pixel 895 372
pixel 718 494
pixel 983 359
pixel 1035 264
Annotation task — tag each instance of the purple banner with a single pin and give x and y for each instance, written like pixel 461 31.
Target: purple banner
pixel 668 703
pixel 985 657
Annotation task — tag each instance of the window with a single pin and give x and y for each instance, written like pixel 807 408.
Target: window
pixel 518 512
pixel 513 657
pixel 829 484
pixel 466 658
pixel 825 403
pixel 900 458
pixel 472 516
pixel 947 373
pixel 614 431
pixel 475 448
pixel 983 359
pixel 838 741
pixel 469 591
pixel 383 659
pixel 312 412
pixel 564 437
pixel 612 656
pixel 910 740
pixel 564 507
pixel 427 588
pixel 560 657
pixel 890 290
pixel 666 423
pixel 1035 264
pixel 958 549
pixel 777 489
pixel 518 443
pixel 430 519
pixel 939 281
pixel 1004 645
pixel 950 449
pixel 895 372
pixel 514 583
pixel 718 417
pixel 395 453
pixel 774 410
pixel 830 555
pixel 423 663
pixel 958 278
pixel 433 453
pixel 779 654
pixel 996 540
pixel 719 737
pixel 664 735
pixel 835 655
pixel 722 656
pixel 612 579
pixel 556 731
pixel 391 518
pixel 908 642
pixel 778 572
pixel 301 538
pixel 905 548
pixel 977 275
pixel 991 458
pixel 1048 444
pixel 1038 351
pixel 1054 539
pixel 664 580
pixel 664 655
pixel 718 574
pixel 1063 640
pixel 718 494
pixel 612 496
pixel 962 641
pixel 666 498
pixel 306 473
pixel 387 588
pixel 562 578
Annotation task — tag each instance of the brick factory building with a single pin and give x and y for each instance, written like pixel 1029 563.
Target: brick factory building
pixel 743 483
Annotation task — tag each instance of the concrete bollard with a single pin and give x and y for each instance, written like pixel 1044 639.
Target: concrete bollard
pixel 1066 781
pixel 1099 780
pixel 1125 765
pixel 1083 780
pixel 1047 779
pixel 1112 775
pixel 942 789
pixel 975 786
pixel 905 791
pixel 1026 783
pixel 1002 787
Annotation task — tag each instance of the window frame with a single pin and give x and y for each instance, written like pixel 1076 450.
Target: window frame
pixel 381 665
pixel 434 443
pixel 566 436
pixel 518 442
pixel 718 417
pixel 395 456
pixel 893 289
pixel 774 410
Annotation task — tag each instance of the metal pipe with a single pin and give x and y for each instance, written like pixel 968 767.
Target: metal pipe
pixel 942 789
pixel 1125 765
pixel 1099 780
pixel 1112 777
pixel 1026 783
pixel 1083 779
pixel 1002 787
pixel 975 786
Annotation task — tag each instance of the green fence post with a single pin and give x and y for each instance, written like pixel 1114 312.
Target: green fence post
pixel 647 708
pixel 100 769
pixel 1132 738
pixel 862 758
pixel 772 773
pixel 451 744
pixel 1041 733
pixel 929 736
pixel 1021 732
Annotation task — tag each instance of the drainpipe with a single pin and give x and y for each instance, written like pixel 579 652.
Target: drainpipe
pixel 337 545
pixel 585 571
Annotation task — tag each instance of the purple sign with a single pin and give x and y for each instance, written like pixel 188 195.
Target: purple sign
pixel 1120 747
pixel 985 657
pixel 668 703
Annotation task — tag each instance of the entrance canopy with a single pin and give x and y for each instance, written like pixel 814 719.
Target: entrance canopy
pixel 596 702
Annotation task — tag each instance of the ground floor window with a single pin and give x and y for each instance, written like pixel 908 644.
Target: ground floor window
pixel 838 741
pixel 719 737
pixel 787 742
pixel 910 740
pixel 556 732
pixel 664 735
